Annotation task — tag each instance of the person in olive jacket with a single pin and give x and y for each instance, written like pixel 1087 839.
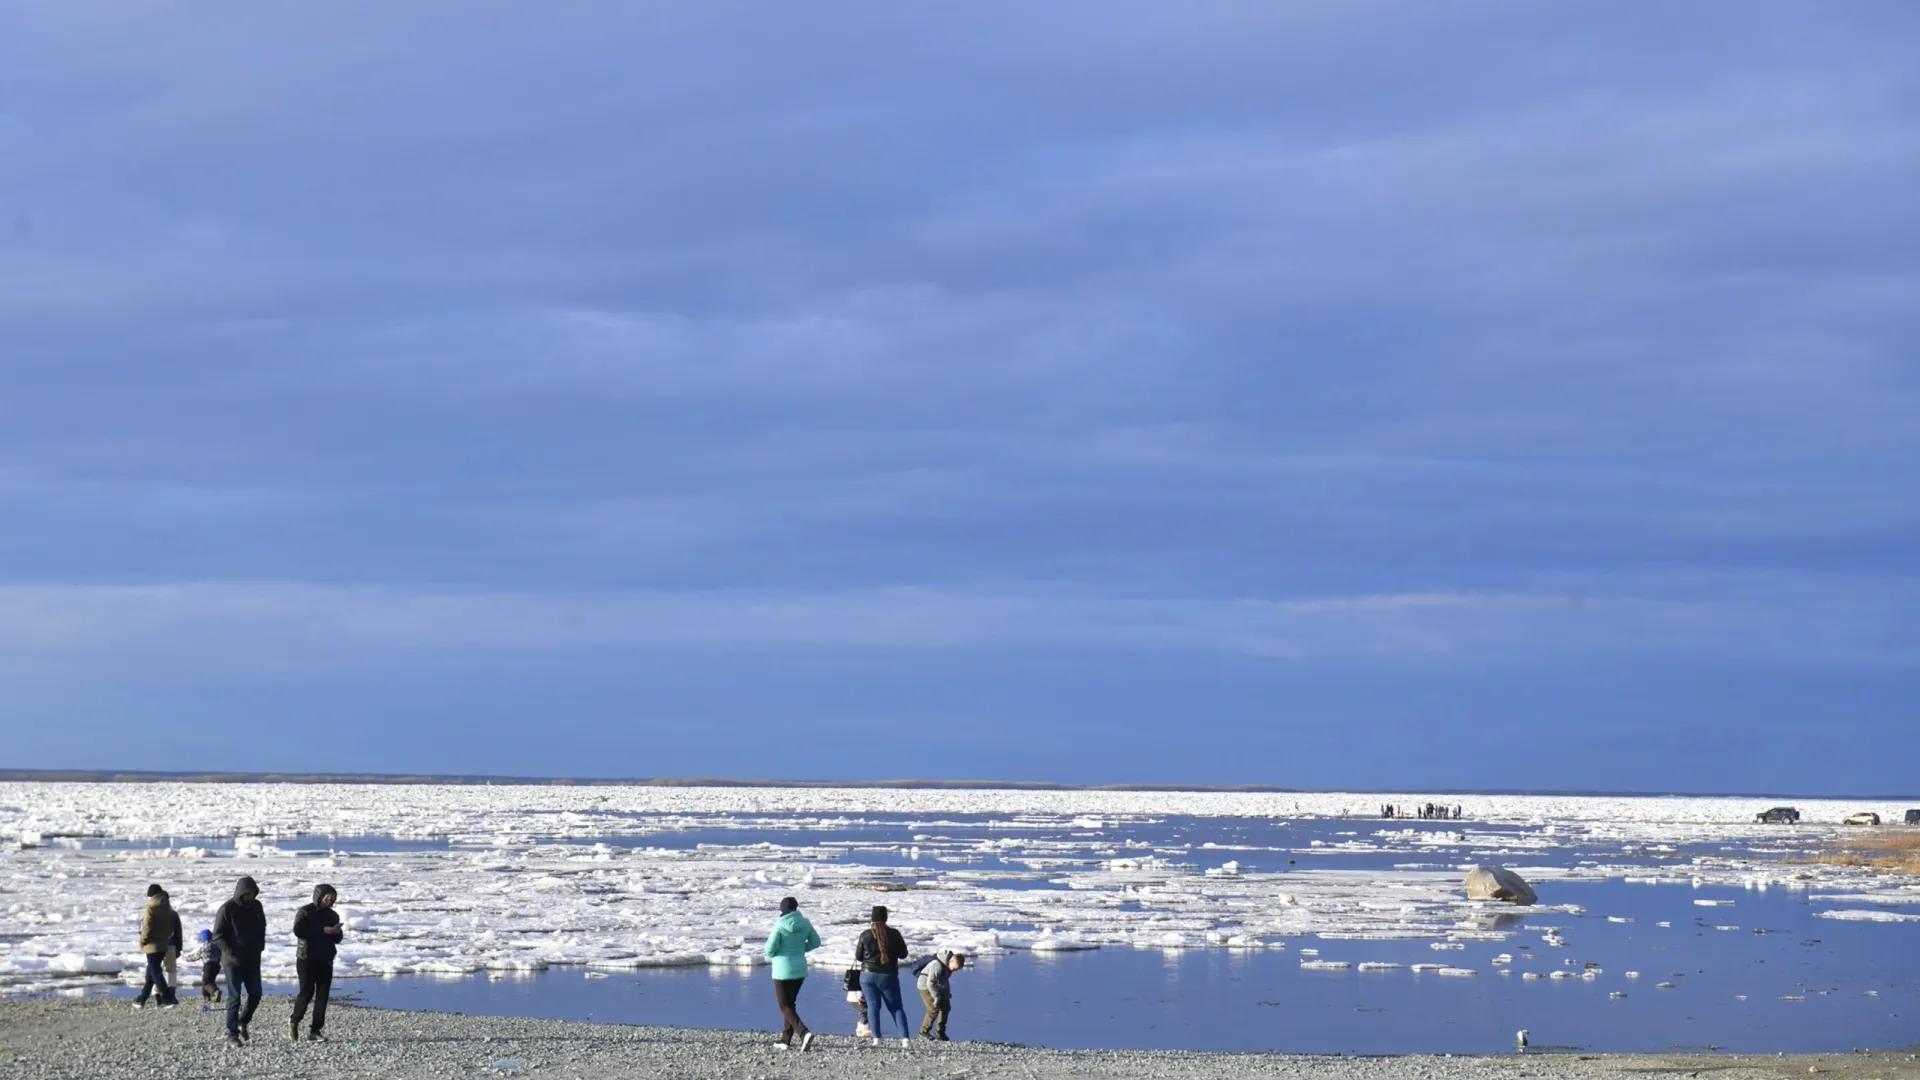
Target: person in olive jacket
pixel 317 926
pixel 793 937
pixel 240 929
pixel 159 926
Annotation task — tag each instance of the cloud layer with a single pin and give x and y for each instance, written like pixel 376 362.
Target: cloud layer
pixel 1472 338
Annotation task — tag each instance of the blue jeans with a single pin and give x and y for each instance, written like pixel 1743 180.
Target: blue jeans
pixel 883 991
pixel 156 976
pixel 241 973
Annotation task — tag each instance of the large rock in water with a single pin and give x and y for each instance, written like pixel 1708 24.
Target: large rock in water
pixel 1498 883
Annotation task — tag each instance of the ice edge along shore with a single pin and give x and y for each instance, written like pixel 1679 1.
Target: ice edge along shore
pixel 527 880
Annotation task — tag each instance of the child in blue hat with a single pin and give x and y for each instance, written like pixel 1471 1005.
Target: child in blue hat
pixel 207 954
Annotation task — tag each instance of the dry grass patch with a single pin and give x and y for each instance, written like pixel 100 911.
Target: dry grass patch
pixel 1894 849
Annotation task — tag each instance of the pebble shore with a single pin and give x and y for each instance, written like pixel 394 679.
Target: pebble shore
pixel 69 1039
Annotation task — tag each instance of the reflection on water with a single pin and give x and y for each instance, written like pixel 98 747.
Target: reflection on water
pixel 1780 980
pixel 1761 974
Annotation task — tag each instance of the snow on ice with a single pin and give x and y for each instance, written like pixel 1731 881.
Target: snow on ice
pixel 533 877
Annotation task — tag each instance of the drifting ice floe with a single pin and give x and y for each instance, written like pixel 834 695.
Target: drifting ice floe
pixel 1857 915
pixel 528 879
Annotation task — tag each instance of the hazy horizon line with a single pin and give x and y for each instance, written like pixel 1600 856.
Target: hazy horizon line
pixel 85 776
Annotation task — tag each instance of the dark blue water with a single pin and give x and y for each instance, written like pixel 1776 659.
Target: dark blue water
pixel 879 839
pixel 1854 985
pixel 955 842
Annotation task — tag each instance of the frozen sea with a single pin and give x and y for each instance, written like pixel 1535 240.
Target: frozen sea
pixel 1115 919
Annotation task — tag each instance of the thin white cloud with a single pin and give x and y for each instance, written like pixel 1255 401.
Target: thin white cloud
pixel 1201 317
pixel 207 624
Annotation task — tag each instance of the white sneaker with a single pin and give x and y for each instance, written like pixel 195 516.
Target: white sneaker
pixel 875 1040
pixel 906 1044
pixel 779 1046
pixel 806 1042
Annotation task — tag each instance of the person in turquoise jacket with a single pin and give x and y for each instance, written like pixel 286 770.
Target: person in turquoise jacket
pixel 792 939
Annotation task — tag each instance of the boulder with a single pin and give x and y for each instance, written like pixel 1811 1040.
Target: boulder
pixel 1498 883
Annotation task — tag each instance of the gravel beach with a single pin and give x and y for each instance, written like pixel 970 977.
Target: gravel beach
pixel 65 1039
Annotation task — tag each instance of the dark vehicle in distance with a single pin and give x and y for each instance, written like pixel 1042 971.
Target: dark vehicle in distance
pixel 1913 817
pixel 1779 815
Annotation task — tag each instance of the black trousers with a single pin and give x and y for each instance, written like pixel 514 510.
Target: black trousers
pixel 156 976
pixel 787 992
pixel 316 984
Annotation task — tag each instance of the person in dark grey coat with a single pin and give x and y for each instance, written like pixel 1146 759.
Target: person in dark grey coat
pixel 317 926
pixel 240 929
pixel 934 978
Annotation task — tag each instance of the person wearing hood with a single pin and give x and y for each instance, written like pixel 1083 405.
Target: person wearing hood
pixel 317 926
pixel 240 930
pixel 792 939
pixel 159 928
pixel 936 992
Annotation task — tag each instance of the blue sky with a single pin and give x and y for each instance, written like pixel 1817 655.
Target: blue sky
pixel 1371 394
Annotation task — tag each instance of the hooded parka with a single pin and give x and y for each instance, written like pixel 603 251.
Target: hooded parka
pixel 159 926
pixel 792 939
pixel 933 973
pixel 240 926
pixel 310 925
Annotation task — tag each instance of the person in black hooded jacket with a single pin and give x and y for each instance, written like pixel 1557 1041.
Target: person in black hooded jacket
pixel 240 929
pixel 317 926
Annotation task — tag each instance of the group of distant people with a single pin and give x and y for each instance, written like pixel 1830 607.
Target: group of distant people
pixel 230 952
pixel 1426 812
pixel 872 984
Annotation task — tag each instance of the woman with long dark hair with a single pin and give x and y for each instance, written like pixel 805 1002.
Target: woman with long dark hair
pixel 879 952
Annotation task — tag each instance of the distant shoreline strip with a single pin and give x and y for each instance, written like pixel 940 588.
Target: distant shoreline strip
pixel 136 776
